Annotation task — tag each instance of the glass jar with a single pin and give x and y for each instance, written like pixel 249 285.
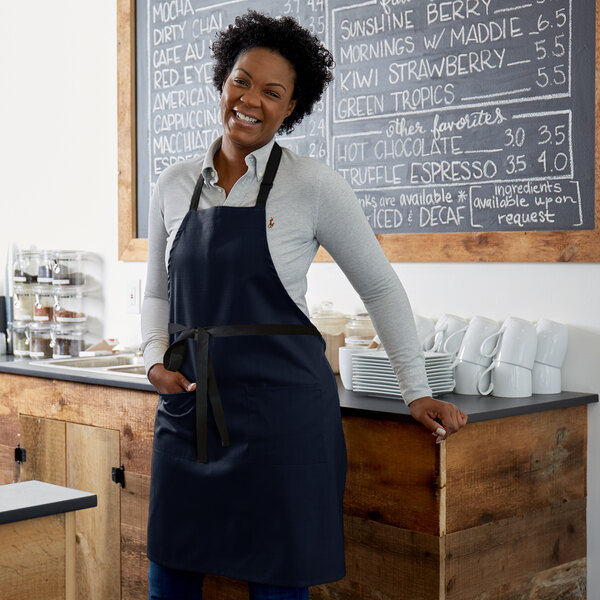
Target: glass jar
pixel 359 331
pixel 46 266
pixel 68 305
pixel 68 339
pixel 23 300
pixel 330 323
pixel 69 268
pixel 43 306
pixel 25 266
pixel 20 337
pixel 40 340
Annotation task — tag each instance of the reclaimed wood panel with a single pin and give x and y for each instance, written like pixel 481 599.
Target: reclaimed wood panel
pixel 393 474
pixel 32 559
pixel 135 498
pixel 70 557
pixel 44 440
pixel 92 452
pixel 530 462
pixel 384 562
pixel 129 411
pixel 495 554
pixel 565 582
pixel 223 588
pixel 8 467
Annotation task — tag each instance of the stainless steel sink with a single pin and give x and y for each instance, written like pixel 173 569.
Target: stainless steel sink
pixel 128 365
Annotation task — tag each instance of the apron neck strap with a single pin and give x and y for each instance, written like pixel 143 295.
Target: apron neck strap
pixel 265 186
pixel 269 177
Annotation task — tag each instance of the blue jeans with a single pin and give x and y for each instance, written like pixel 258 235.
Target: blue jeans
pixel 172 584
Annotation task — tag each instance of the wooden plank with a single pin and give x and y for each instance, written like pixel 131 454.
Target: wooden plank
pixel 134 519
pixel 32 559
pixel 92 452
pixel 70 557
pixel 565 582
pixel 44 440
pixel 530 462
pixel 223 588
pixel 8 467
pixel 393 474
pixel 385 563
pixel 494 555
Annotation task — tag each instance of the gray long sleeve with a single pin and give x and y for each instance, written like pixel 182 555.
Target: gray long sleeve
pixel 309 205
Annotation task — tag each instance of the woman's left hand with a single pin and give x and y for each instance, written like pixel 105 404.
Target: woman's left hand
pixel 427 409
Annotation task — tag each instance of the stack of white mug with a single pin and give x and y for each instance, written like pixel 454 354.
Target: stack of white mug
pixel 509 361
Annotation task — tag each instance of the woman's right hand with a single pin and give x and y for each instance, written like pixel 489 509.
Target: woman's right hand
pixel 169 382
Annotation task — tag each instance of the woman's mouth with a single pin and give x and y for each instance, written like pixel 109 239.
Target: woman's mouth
pixel 245 118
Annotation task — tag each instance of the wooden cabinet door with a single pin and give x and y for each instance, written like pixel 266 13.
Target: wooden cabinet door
pixel 82 457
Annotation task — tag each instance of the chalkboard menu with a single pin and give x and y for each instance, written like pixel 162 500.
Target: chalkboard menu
pixel 444 116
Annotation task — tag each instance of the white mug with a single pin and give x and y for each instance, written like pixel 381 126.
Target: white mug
pixel 446 327
pixel 516 345
pixel 425 327
pixel 467 376
pixel 553 338
pixel 546 379
pixel 472 345
pixel 508 381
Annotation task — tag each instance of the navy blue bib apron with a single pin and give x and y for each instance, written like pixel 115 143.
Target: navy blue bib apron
pixel 248 470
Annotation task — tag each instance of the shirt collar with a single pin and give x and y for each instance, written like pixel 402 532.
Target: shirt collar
pixel 256 161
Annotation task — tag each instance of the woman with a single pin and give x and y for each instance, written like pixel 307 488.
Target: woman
pixel 252 487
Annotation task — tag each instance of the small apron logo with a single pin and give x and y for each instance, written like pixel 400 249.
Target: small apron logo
pixel 271 223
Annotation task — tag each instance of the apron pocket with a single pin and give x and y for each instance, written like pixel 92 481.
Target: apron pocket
pixel 178 404
pixel 174 432
pixel 286 425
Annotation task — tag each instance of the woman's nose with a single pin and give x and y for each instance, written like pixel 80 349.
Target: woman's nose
pixel 249 98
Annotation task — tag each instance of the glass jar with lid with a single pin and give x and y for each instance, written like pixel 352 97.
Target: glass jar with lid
pixel 68 339
pixel 43 305
pixel 359 331
pixel 68 304
pixel 20 337
pixel 40 340
pixel 69 267
pixel 46 266
pixel 23 300
pixel 331 324
pixel 25 266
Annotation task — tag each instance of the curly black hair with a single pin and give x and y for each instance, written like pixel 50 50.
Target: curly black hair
pixel 312 62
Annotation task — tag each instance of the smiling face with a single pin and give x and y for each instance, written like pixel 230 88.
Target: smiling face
pixel 256 98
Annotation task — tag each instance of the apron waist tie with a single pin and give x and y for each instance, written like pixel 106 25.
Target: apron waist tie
pixel 206 383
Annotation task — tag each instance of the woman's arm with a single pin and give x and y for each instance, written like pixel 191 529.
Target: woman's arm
pixel 343 230
pixel 155 309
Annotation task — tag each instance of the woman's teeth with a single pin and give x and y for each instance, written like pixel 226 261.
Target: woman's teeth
pixel 245 118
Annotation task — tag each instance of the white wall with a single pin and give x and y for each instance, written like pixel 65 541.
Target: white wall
pixel 58 166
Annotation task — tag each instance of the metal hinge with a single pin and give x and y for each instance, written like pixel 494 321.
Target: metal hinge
pixel 20 454
pixel 118 475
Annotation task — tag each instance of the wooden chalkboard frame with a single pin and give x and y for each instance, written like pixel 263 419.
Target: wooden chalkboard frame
pixel 525 246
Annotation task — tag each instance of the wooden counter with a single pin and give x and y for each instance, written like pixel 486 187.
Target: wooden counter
pixel 495 512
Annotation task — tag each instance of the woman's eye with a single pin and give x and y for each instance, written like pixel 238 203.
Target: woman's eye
pixel 239 81
pixel 273 94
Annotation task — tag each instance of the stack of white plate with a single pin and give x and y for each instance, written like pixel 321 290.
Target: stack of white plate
pixel 372 373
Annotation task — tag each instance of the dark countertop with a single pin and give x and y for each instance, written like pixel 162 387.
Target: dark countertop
pixel 32 499
pixel 478 408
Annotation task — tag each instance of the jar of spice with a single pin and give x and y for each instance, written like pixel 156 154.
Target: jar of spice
pixel 330 323
pixel 20 337
pixel 23 300
pixel 68 339
pixel 69 268
pixel 40 340
pixel 25 266
pixel 359 331
pixel 43 306
pixel 46 266
pixel 68 305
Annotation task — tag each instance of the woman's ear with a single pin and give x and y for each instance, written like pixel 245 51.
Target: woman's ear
pixel 291 107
